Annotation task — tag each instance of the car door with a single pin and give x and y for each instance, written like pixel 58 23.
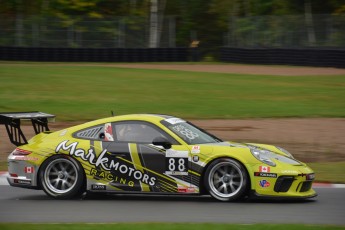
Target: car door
pixel 142 166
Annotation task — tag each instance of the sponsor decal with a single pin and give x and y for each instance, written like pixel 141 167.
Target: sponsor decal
pixel 63 132
pixel 175 153
pixel 114 179
pixel 195 149
pixel 191 189
pixel 186 189
pixel 262 174
pixel 290 171
pixel 98 187
pixel 195 158
pixel 22 182
pixel 264 183
pixel 104 162
pixel 264 169
pixel 174 120
pixel 185 132
pixel 182 190
pixel 29 169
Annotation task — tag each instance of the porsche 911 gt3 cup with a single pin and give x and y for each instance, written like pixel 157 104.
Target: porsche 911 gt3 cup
pixel 148 153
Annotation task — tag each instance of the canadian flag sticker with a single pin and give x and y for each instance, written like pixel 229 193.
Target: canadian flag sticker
pixel 264 169
pixel 29 169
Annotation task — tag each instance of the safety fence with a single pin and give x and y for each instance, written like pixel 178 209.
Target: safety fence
pixel 95 55
pixel 277 56
pixel 302 56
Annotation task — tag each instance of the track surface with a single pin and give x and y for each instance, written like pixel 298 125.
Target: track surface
pixel 23 205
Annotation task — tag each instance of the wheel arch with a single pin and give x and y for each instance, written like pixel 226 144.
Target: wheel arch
pixel 38 179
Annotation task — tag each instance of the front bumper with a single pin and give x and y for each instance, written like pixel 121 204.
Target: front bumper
pixel 255 195
pixel 283 182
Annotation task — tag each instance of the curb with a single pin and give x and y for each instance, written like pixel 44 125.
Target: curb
pixel 328 185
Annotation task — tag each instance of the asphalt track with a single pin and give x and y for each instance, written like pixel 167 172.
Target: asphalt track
pixel 24 205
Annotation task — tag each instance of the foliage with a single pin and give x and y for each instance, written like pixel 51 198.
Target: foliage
pixel 209 21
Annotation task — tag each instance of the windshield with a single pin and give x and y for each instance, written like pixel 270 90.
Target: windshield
pixel 190 133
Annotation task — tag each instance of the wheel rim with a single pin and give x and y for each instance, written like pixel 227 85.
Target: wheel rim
pixel 225 179
pixel 60 176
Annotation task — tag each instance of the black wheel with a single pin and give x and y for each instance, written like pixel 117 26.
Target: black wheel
pixel 62 177
pixel 226 179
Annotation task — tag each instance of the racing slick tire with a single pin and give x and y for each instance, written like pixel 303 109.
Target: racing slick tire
pixel 226 179
pixel 62 177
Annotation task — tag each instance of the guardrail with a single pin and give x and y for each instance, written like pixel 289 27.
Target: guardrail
pixel 94 54
pixel 301 56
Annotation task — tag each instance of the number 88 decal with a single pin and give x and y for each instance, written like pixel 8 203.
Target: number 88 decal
pixel 177 166
pixel 180 166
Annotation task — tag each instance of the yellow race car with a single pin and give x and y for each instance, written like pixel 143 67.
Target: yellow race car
pixel 148 153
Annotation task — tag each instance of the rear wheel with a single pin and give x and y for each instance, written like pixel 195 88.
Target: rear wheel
pixel 226 179
pixel 62 177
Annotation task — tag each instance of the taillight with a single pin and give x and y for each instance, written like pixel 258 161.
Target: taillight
pixel 20 152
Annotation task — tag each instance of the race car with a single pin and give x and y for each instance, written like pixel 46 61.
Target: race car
pixel 148 154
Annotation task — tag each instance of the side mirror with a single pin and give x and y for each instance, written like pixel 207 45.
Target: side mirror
pixel 162 142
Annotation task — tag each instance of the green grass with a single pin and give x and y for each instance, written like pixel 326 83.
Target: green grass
pixel 330 172
pixel 3 165
pixel 80 92
pixel 166 226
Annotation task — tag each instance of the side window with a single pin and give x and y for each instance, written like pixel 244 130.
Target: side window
pixel 92 133
pixel 102 132
pixel 138 132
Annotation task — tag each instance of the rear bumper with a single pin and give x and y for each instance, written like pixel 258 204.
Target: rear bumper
pixel 21 182
pixel 22 172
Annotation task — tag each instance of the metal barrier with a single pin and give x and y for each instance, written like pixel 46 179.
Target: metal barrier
pixel 94 54
pixel 303 56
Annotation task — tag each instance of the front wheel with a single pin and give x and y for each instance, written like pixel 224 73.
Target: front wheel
pixel 62 177
pixel 226 179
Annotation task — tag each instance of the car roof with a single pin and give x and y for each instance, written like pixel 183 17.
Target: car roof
pixel 144 117
pixel 153 118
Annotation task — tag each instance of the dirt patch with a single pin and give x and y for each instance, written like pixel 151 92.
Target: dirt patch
pixel 310 140
pixel 211 68
pixel 241 69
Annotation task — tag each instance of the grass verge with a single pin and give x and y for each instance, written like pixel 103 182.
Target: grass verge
pixel 166 226
pixel 3 166
pixel 81 92
pixel 332 172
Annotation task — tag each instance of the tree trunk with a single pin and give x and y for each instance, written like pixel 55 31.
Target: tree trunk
pixel 309 22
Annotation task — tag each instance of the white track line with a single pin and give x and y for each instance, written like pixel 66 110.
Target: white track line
pixel 3 180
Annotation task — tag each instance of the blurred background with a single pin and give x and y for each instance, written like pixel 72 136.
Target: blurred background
pixel 227 30
pixel 298 108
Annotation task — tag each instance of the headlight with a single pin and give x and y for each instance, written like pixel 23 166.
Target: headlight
pixel 285 151
pixel 262 155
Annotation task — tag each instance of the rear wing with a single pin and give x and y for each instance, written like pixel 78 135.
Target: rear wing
pixel 11 121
